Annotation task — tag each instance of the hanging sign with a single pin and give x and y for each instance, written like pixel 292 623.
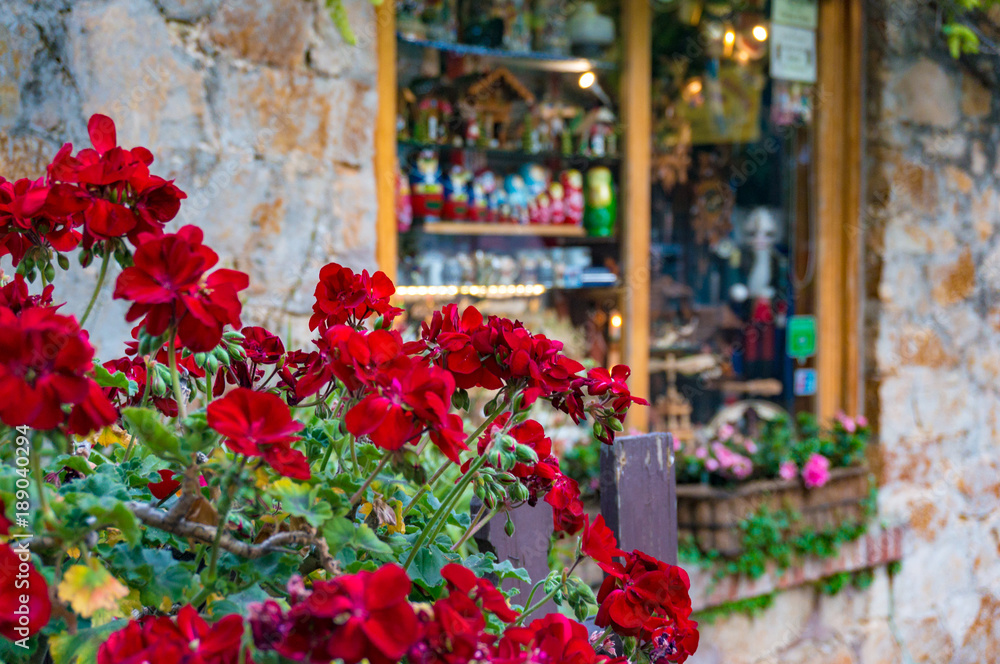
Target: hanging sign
pixel 796 13
pixel 805 382
pixel 793 54
pixel 801 337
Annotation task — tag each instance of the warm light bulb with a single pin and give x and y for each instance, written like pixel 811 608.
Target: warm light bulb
pixel 694 86
pixel 730 37
pixel 616 321
pixel 760 33
pixel 587 79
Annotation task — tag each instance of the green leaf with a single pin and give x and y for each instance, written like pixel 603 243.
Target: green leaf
pixel 77 463
pixel 301 500
pixel 105 482
pixel 340 533
pixel 483 564
pixel 426 567
pixel 145 424
pixel 105 378
pixel 154 573
pixel 238 602
pixel 82 647
pixel 117 515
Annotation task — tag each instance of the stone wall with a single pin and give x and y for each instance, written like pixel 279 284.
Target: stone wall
pixel 932 267
pixel 257 108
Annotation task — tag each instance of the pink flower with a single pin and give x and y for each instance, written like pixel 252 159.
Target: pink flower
pixel 726 432
pixel 741 467
pixel 712 465
pixel 788 470
pixel 701 452
pixel 861 421
pixel 750 446
pixel 816 472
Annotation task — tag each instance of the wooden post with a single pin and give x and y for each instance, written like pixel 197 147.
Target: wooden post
pixel 385 142
pixel 528 547
pixel 638 494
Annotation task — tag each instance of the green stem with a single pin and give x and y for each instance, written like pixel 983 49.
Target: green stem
pixel 208 387
pixel 225 504
pixel 371 478
pixel 532 593
pixel 426 487
pixel 440 517
pixel 354 453
pixel 440 471
pixel 97 288
pixel 534 607
pixel 475 527
pixel 128 450
pixel 36 466
pixel 466 534
pixel 175 377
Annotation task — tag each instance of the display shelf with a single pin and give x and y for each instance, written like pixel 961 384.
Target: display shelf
pixel 580 160
pixel 520 230
pixel 526 59
pixel 414 293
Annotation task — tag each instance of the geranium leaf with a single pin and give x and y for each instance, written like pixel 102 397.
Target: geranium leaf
pixel 301 500
pixel 145 424
pixel 81 648
pixel 340 533
pixel 90 588
pixel 105 378
pixel 426 567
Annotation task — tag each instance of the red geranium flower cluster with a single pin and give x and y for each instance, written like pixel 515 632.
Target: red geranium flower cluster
pixel 109 190
pixel 355 357
pixel 452 630
pixel 186 639
pixel 16 564
pixel 45 359
pixel 260 424
pixel 352 617
pixel 404 400
pixel 134 368
pixel 599 542
pixel 615 398
pixel 496 352
pixel 169 285
pixel 343 297
pixel 463 580
pixel 26 221
pixel 554 639
pixel 647 597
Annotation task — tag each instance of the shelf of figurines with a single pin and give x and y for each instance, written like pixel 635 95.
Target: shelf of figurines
pixel 518 230
pixel 536 60
pixel 567 159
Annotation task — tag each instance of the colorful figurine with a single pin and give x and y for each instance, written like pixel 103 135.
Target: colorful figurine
pixel 544 205
pixel 456 194
pixel 601 208
pixel 572 184
pixel 426 191
pixel 536 179
pixel 517 198
pixel 557 208
pixel 478 202
pixel 404 207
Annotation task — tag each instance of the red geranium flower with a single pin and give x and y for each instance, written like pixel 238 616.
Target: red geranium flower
pixel 553 639
pixel 260 424
pixel 598 541
pixel 356 357
pixel 166 487
pixel 261 345
pixel 28 219
pixel 567 508
pixel 186 639
pixel 615 400
pixel 673 640
pixel 109 189
pixel 352 617
pixel 641 588
pixel 452 632
pixel 406 400
pixel 16 564
pixel 44 361
pixel 15 295
pixel 343 297
pixel 463 580
pixel 537 477
pixel 169 285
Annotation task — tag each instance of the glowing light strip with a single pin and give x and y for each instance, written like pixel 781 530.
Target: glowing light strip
pixel 472 289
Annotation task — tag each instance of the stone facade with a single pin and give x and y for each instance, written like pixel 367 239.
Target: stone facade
pixel 931 226
pixel 256 107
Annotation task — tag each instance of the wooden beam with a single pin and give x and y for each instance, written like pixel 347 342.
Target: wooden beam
pixel 838 158
pixel 386 240
pixel 637 20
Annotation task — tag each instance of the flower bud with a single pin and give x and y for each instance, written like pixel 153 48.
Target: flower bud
pixel 506 478
pixel 615 424
pixel 509 527
pixel 519 492
pixel 525 454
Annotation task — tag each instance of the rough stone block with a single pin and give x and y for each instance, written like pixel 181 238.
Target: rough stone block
pixel 273 32
pixel 187 10
pixel 925 94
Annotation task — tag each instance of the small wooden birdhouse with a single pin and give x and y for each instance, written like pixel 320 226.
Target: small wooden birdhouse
pixel 493 98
